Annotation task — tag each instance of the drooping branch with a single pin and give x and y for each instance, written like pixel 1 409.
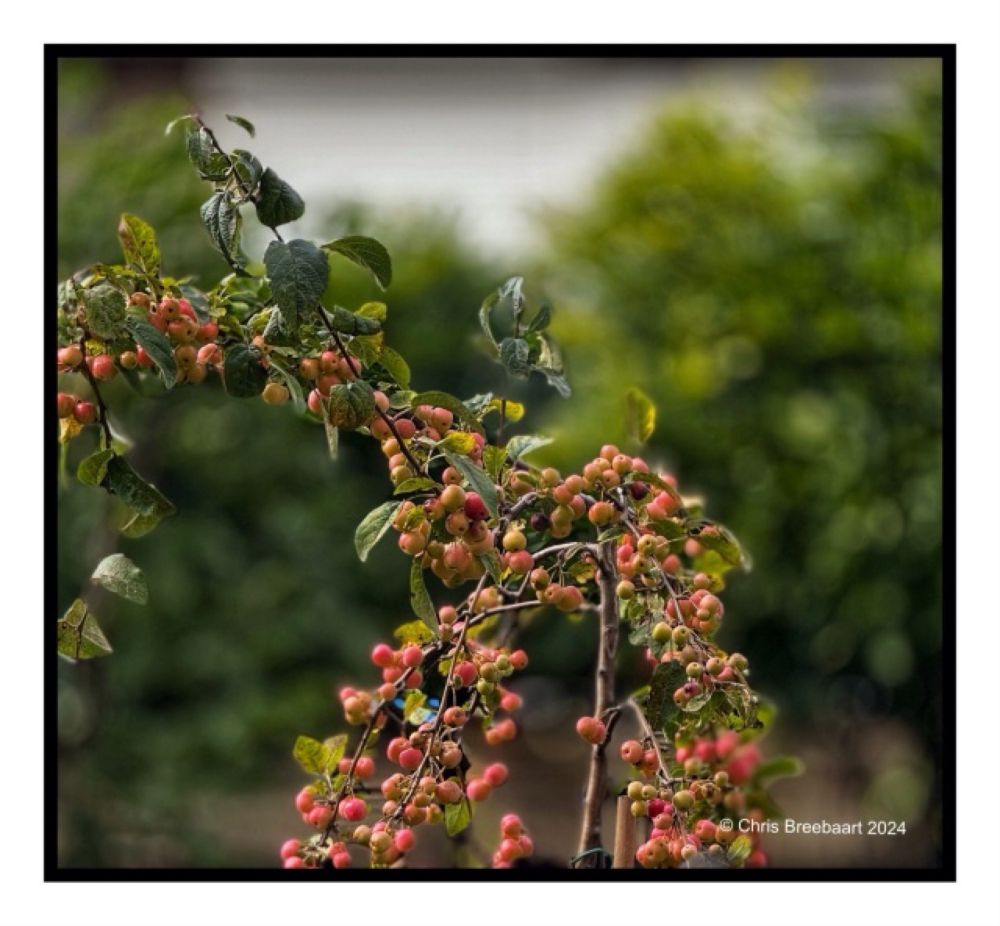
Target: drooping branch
pixel 604 696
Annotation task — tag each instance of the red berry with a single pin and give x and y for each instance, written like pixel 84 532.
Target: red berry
pixel 290 848
pixel 410 758
pixel 478 789
pixel 495 774
pixel 632 751
pixel 475 508
pixel 404 840
pixel 85 412
pixel 510 825
pixel 66 403
pixel 383 655
pixel 304 801
pixel 412 656
pixel 353 809
pixel 365 767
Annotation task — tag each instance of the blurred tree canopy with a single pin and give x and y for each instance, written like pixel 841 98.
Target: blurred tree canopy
pixel 776 289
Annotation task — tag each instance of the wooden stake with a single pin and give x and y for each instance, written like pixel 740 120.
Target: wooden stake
pixel 624 856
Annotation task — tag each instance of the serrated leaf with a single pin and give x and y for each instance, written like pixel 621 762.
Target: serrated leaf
pixel 477 479
pixel 79 636
pixel 493 460
pixel 667 678
pixel 485 310
pixel 139 244
pixel 413 632
pixel 92 469
pixel 367 253
pixel 336 746
pixel 445 400
pixel 522 444
pixel 248 168
pixel 420 600
pixel 351 405
pixel 223 222
pixel 156 344
pixel 277 202
pixel 242 123
pixel 640 415
pixel 414 484
pixel 458 442
pixel 105 310
pixel 514 355
pixel 353 324
pixel 298 272
pixel 143 498
pixel 457 817
pixel 210 164
pixel 315 757
pixel 242 373
pixel 373 527
pixel 541 320
pixel 394 364
pixel 118 574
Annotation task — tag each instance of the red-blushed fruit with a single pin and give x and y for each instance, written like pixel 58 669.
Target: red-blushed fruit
pixel 208 331
pixel 353 809
pixel 341 859
pixel 466 673
pixel 521 562
pixel 448 791
pixel 102 366
pixel 495 774
pixel 404 840
pixel 294 862
pixel 412 656
pixel 319 816
pixel 478 789
pixel 570 598
pixel 85 412
pixel 70 356
pixel 315 402
pixel 405 428
pixel 632 751
pixel 519 659
pixel 475 507
pixel 365 767
pixel 511 826
pixel 592 730
pixel 383 655
pixel 304 801
pixel 410 758
pixel 510 701
pixel 66 404
pixel 290 848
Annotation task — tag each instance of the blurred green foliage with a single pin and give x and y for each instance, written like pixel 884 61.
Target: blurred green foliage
pixel 775 288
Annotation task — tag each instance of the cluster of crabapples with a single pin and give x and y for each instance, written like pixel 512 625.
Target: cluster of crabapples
pixel 681 810
pixel 433 771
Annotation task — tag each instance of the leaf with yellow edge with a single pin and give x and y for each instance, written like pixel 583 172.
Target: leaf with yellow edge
pixel 640 415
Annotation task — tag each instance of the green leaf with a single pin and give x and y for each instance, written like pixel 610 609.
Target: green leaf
pixel 491 563
pixel 248 168
pixel 779 767
pixel 556 380
pixel 78 634
pixel 722 541
pixel 512 290
pixel 514 355
pixel 394 364
pixel 242 123
pixel 485 310
pixel 420 601
pixel 351 405
pixel 477 478
pixel 414 484
pixel 118 574
pixel 105 310
pixel 210 164
pixel 522 444
pixel 315 757
pixel 740 849
pixel 413 707
pixel 457 817
pixel 221 218
pixel 242 374
pixel 445 400
pixel 139 244
pixel 351 323
pixel 93 468
pixel 493 460
pixel 413 632
pixel 175 122
pixel 541 320
pixel 337 746
pixel 277 202
pixel 640 415
pixel 156 344
pixel 458 442
pixel 667 678
pixel 367 253
pixel 148 503
pixel 377 310
pixel 298 272
pixel 373 527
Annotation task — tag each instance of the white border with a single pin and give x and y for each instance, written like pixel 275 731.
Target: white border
pixel 975 26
